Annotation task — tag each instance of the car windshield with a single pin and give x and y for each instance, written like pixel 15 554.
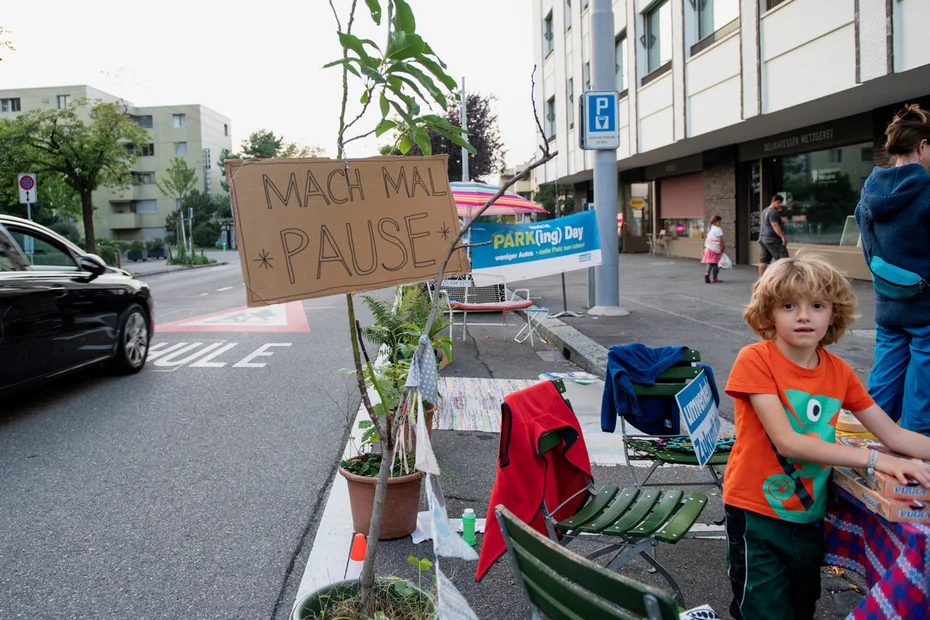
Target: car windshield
pixel 11 255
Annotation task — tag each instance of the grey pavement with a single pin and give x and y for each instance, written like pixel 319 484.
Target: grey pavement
pixel 153 266
pixel 669 304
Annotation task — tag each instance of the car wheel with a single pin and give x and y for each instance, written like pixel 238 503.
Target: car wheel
pixel 132 347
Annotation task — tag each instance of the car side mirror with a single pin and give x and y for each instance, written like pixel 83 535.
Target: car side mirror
pixel 93 264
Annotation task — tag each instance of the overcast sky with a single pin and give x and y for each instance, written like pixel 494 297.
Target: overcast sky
pixel 259 63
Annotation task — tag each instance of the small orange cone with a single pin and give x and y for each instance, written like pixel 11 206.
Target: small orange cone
pixel 356 557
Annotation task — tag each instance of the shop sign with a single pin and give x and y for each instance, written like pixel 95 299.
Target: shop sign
pixel 840 132
pixel 637 203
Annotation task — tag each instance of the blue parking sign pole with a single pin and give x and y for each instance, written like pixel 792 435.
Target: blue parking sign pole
pixel 602 134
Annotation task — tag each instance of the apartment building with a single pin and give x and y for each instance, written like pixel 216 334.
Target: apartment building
pixel 725 103
pixel 194 132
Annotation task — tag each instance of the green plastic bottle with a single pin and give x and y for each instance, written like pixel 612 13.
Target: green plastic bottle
pixel 468 526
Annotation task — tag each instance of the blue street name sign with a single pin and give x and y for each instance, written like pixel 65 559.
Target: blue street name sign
pixel 600 115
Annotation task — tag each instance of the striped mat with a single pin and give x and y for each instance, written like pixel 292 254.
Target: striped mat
pixel 471 404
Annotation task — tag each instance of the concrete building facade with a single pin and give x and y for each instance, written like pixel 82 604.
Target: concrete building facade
pixel 725 103
pixel 193 132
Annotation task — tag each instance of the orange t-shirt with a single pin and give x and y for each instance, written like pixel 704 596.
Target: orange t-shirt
pixel 757 477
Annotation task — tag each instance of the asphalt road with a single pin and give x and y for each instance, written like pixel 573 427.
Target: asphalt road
pixel 188 490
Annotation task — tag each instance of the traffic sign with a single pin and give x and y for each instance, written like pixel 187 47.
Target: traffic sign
pixel 600 119
pixel 26 183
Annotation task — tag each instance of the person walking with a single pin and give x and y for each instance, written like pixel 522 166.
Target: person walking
pixel 772 234
pixel 893 215
pixel 714 247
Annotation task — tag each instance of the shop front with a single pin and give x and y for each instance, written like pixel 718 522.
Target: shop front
pixel 819 172
pixel 679 204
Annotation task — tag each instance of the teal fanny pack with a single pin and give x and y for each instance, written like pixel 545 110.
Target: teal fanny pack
pixel 890 280
pixel 895 282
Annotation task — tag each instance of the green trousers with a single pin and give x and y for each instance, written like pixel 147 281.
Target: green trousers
pixel 773 565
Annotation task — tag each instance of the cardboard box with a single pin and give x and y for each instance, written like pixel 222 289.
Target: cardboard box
pixel 885 485
pixel 896 511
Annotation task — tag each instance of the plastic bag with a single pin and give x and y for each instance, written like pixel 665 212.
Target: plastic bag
pixel 724 262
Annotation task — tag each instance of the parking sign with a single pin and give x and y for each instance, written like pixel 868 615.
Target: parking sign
pixel 26 183
pixel 601 127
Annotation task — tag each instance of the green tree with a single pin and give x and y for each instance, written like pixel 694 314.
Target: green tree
pixel 483 134
pixel 177 182
pixel 263 144
pixel 87 155
pixel 291 150
pixel 547 196
pixel 207 210
pixel 5 43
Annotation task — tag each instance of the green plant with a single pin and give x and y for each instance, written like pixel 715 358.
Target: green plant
pixel 67 230
pixel 422 565
pixel 137 245
pixel 154 244
pixel 206 234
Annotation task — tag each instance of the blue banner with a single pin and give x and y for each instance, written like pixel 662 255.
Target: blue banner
pixel 522 251
pixel 696 401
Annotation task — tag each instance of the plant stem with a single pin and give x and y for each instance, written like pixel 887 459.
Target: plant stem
pixel 367 578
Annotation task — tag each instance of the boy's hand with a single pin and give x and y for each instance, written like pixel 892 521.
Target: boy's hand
pixel 902 469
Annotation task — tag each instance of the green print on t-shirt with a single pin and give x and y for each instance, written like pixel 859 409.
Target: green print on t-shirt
pixel 811 416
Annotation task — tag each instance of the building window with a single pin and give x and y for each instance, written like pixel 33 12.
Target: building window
pixel 180 149
pixel 179 121
pixel 548 38
pixel 143 178
pixel 550 118
pixel 145 207
pixel 148 150
pixel 9 105
pixel 143 121
pixel 620 68
pixel 225 129
pixel 771 4
pixel 568 15
pixel 835 156
pixel 570 111
pixel 63 101
pixel 586 75
pixel 714 15
pixel 868 155
pixel 658 37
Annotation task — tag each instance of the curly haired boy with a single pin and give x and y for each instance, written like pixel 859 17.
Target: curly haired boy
pixel 789 391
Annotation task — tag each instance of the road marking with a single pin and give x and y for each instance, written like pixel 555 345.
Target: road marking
pixel 225 288
pixel 167 357
pixel 287 317
pixel 262 351
pixel 204 294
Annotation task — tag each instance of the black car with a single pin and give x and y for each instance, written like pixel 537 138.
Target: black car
pixel 62 309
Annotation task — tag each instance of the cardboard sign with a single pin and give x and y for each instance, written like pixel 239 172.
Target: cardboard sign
pixel 696 401
pixel 315 227
pixel 513 252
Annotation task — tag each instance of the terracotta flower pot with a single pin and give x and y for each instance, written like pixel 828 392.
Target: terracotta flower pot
pixel 401 504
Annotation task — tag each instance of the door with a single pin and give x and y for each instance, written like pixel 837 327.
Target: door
pixel 30 318
pixel 84 335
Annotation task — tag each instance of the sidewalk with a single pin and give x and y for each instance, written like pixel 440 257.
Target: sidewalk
pixel 159 266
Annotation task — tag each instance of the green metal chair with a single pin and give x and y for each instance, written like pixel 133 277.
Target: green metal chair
pixel 636 521
pixel 639 448
pixel 564 586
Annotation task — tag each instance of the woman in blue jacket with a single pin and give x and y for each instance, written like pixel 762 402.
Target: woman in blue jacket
pixel 894 220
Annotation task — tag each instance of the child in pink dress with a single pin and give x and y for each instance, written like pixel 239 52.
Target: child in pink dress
pixel 714 247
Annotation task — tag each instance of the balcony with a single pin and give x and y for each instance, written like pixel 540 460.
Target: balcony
pixel 125 221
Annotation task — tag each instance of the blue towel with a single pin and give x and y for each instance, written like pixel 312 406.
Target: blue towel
pixel 637 363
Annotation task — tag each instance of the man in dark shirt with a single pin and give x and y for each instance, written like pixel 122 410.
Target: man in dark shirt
pixel 772 235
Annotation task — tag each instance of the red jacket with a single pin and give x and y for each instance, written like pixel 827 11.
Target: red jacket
pixel 524 478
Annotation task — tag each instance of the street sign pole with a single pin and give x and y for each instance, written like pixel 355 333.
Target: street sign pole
pixel 605 119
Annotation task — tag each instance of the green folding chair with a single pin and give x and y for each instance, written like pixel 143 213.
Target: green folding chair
pixel 649 448
pixel 564 586
pixel 636 521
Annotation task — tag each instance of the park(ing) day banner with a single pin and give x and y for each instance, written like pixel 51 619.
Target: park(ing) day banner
pixel 511 252
pixel 316 227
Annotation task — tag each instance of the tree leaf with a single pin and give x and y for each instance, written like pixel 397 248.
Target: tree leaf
pixel 437 70
pixel 366 97
pixel 375 7
pixel 352 42
pixel 422 140
pixel 405 144
pixel 385 106
pixel 424 565
pixel 404 45
pixel 403 17
pixel 413 560
pixel 429 84
pixel 348 65
pixel 384 126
